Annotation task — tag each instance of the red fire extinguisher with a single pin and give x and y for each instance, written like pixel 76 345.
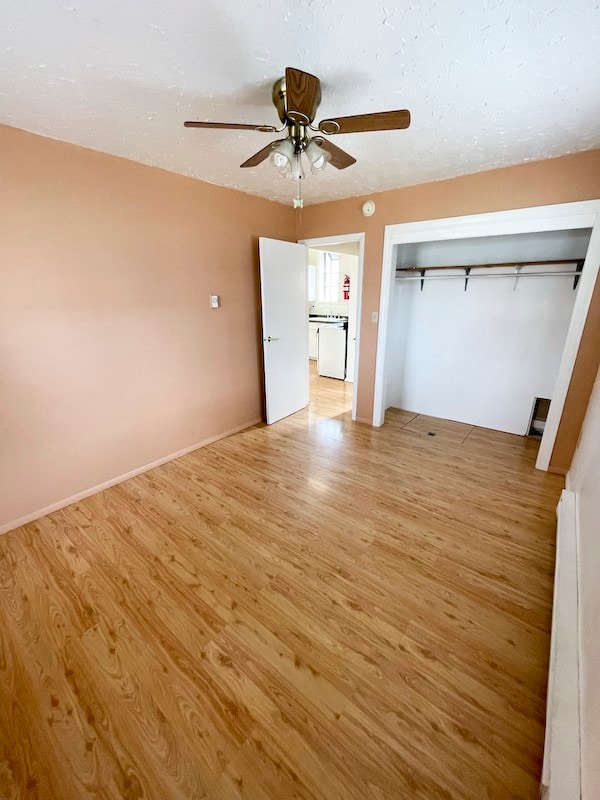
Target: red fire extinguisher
pixel 346 287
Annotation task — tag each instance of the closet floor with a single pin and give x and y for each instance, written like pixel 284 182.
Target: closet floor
pixel 316 609
pixel 445 429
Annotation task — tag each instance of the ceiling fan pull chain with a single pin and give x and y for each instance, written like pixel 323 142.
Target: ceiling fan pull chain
pixel 298 202
pixel 298 209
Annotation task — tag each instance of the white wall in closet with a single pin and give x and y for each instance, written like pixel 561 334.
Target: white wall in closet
pixel 481 356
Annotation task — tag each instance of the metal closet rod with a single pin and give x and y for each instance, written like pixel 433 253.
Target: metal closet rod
pixel 546 263
pixel 518 266
pixel 513 275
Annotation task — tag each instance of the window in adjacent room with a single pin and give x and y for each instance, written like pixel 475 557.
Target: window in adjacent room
pixel 312 283
pixel 329 278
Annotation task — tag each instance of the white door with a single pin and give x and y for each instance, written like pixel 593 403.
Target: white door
pixel 284 298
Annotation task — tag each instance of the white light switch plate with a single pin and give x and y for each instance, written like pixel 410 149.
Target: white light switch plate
pixel 375 316
pixel 214 301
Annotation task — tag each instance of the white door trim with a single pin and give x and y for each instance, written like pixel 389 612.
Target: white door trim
pixel 344 238
pixel 563 216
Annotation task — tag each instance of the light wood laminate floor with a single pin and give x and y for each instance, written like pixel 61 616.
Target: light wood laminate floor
pixel 316 610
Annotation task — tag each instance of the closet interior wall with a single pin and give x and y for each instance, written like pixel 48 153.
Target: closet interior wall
pixel 481 355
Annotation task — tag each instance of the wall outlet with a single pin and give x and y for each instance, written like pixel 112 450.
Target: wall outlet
pixel 214 301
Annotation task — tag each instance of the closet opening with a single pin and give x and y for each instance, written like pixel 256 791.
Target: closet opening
pixel 476 327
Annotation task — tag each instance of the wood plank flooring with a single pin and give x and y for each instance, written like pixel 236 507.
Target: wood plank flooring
pixel 316 610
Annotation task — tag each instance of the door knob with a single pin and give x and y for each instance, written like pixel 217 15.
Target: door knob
pixel 273 339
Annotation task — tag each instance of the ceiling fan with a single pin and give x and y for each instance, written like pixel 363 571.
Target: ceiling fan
pixel 296 98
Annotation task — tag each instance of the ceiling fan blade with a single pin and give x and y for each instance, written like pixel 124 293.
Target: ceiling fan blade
pixel 259 157
pixel 233 126
pixel 340 159
pixel 303 95
pixel 379 121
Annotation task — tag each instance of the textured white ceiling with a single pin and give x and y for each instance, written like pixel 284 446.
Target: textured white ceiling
pixel 488 82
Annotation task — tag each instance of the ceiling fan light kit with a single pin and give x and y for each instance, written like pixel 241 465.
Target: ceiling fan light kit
pixel 282 156
pixel 297 97
pixel 317 157
pixel 296 172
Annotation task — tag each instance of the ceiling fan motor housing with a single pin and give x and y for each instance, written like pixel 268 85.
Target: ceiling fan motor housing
pixel 297 122
pixel 308 91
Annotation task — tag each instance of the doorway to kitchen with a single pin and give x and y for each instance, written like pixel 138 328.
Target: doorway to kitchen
pixel 333 311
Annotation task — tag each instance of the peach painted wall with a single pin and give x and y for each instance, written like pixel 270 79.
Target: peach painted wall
pixel 559 180
pixel 110 357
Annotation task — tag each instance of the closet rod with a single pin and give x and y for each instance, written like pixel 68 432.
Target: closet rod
pixel 513 275
pixel 499 264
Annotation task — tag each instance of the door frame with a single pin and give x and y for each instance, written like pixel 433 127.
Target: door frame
pixel 562 216
pixel 345 238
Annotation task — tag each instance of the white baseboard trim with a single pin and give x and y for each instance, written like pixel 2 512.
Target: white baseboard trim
pixel 561 778
pixel 42 512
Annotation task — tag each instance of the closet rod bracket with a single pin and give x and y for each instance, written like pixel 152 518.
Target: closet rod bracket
pixel 517 272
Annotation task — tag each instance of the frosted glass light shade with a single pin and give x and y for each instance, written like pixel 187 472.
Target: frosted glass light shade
pixel 296 173
pixel 317 156
pixel 282 157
